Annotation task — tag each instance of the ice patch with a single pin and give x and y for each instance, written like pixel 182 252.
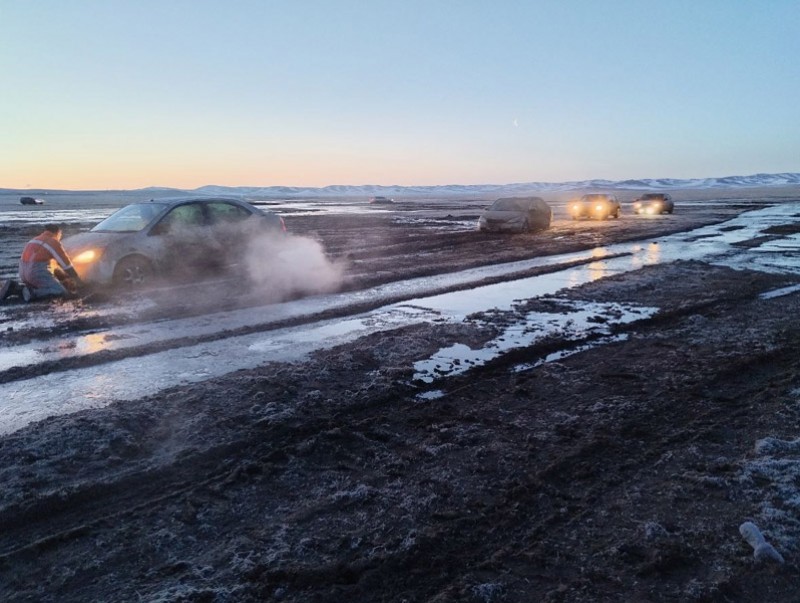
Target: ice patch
pixel 585 319
pixel 430 395
pixel 780 292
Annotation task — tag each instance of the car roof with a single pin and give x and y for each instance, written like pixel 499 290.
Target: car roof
pixel 178 200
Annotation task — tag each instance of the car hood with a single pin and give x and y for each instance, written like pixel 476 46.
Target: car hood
pixel 75 244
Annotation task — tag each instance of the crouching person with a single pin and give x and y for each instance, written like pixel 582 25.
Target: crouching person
pixel 39 277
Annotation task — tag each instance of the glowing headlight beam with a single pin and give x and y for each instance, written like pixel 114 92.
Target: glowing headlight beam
pixel 86 257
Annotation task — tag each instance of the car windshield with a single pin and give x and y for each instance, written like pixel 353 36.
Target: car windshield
pixel 506 205
pixel 132 218
pixel 652 197
pixel 594 197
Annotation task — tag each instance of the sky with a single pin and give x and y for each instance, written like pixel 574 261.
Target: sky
pixel 124 94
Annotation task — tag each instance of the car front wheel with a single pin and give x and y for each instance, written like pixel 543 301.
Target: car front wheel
pixel 133 272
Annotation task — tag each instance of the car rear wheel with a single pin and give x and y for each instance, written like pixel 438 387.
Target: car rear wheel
pixel 133 272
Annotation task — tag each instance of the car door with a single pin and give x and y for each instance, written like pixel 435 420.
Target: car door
pixel 232 228
pixel 184 239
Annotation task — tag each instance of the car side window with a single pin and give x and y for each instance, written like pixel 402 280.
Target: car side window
pixel 226 213
pixel 183 216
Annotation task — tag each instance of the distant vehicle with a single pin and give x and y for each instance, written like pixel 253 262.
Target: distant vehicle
pixel 594 205
pixel 165 236
pixel 521 214
pixel 30 201
pixel 654 203
pixel 380 200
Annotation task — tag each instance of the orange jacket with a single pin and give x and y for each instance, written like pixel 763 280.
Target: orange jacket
pixel 44 248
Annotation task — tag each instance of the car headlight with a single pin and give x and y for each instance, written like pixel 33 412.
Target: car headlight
pixel 599 207
pixel 87 257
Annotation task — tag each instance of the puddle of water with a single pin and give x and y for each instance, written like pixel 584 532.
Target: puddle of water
pixel 34 399
pixel 290 208
pixel 53 214
pixel 452 225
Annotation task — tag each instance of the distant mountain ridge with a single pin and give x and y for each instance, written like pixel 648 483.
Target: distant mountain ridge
pixel 755 180
pixel 368 190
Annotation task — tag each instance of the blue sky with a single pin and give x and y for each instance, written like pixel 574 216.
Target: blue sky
pixel 113 94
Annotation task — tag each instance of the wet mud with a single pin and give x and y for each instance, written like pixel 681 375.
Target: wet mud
pixel 612 457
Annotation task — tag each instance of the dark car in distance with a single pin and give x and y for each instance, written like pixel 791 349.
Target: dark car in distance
pixel 519 214
pixel 594 205
pixel 654 204
pixel 164 236
pixel 30 201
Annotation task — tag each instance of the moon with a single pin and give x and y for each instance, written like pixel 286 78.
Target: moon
pixel 516 124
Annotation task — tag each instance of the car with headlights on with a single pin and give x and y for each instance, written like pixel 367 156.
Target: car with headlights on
pixel 518 214
pixel 594 205
pixel 186 235
pixel 654 204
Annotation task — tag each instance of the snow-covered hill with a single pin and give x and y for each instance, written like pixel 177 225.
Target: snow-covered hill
pixel 368 190
pixel 755 180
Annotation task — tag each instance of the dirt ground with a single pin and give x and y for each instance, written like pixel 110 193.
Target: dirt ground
pixel 620 473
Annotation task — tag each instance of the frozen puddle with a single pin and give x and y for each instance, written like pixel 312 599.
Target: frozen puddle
pixel 25 401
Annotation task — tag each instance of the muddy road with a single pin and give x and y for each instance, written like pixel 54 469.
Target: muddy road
pixel 583 414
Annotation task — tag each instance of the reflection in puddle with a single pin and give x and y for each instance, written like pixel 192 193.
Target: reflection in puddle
pixel 93 342
pixel 597 270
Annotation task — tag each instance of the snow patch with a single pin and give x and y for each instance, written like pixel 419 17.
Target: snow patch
pixel 584 319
